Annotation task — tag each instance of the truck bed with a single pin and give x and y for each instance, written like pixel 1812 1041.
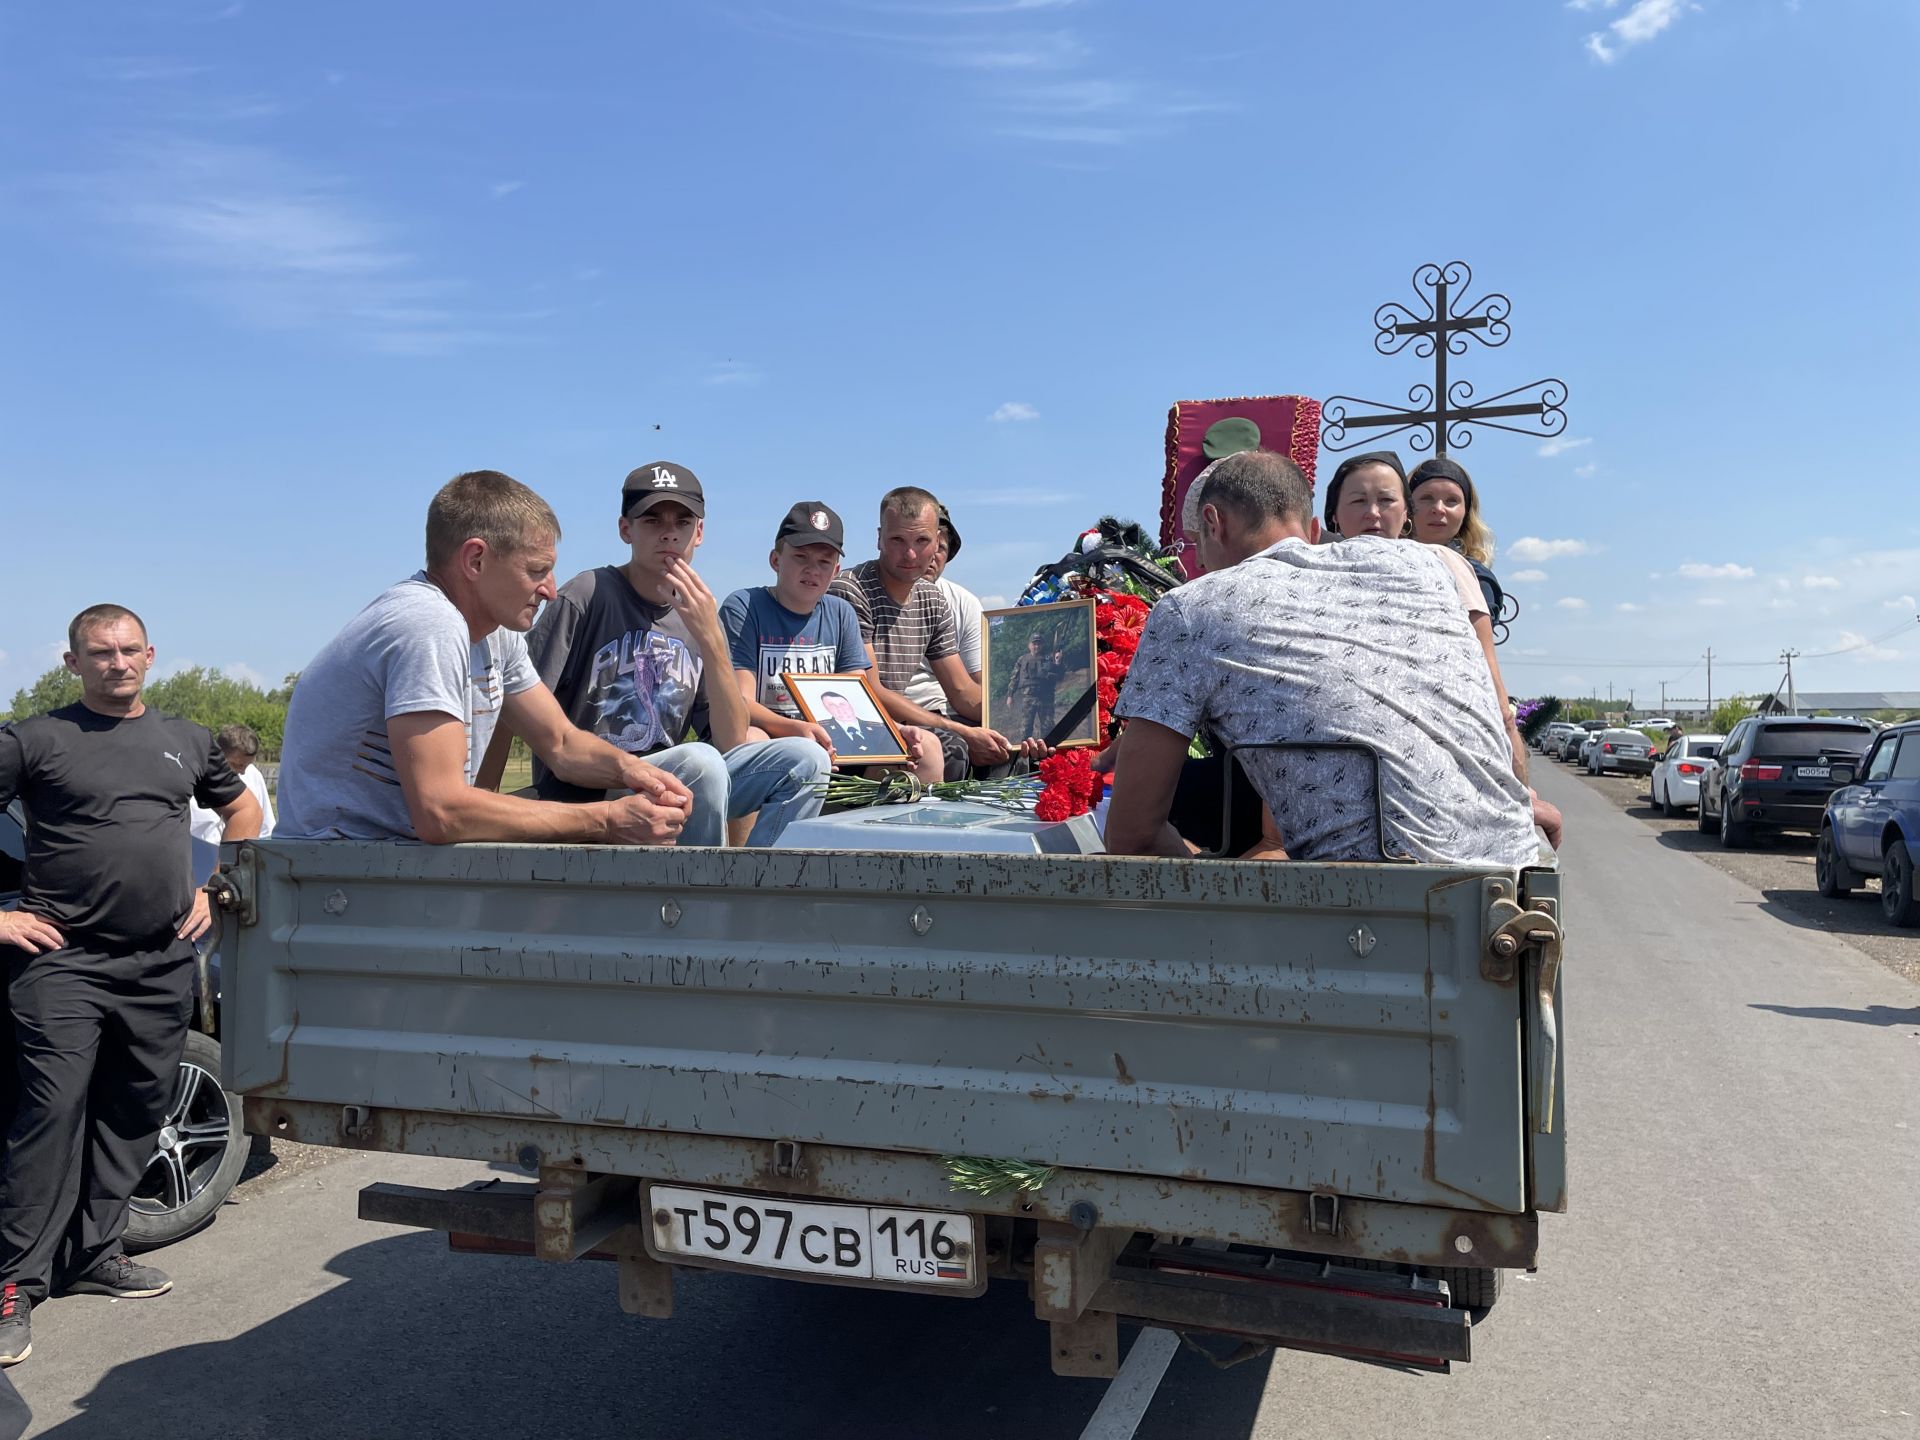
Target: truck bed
pixel 1316 1028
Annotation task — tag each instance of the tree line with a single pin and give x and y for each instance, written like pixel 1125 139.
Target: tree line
pixel 206 697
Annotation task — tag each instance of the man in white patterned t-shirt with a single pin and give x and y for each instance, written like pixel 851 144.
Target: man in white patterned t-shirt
pixel 1368 641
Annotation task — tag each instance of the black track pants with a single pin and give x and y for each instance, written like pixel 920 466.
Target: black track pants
pixel 97 1041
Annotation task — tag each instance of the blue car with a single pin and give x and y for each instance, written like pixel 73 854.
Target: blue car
pixel 1872 826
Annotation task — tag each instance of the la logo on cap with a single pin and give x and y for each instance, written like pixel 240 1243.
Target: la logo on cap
pixel 664 479
pixel 818 519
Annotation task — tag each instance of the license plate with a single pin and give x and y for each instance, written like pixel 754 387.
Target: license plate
pixel 1631 753
pixel 1816 772
pixel 928 1248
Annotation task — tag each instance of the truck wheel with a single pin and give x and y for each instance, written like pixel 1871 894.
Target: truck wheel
pixel 1896 887
pixel 1473 1288
pixel 1832 876
pixel 198 1157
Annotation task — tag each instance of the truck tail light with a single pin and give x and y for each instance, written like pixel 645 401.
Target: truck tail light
pixel 1753 771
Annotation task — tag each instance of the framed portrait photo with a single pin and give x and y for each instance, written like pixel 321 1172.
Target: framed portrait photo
pixel 845 706
pixel 1038 668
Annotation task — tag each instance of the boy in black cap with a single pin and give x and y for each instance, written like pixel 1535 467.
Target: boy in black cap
pixel 794 626
pixel 637 655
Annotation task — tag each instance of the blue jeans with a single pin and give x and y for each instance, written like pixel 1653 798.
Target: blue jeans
pixel 775 777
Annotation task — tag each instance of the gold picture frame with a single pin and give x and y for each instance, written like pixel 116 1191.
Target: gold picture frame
pixel 1047 693
pixel 854 718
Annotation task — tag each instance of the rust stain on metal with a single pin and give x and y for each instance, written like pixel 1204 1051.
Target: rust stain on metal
pixel 1120 1069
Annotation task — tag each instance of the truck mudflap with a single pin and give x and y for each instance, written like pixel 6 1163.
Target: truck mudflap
pixel 1084 1283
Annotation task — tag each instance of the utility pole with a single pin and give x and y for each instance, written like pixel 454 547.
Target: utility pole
pixel 1793 707
pixel 1709 684
pixel 1663 697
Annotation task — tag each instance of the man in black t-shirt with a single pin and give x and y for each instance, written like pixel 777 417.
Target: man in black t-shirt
pixel 99 963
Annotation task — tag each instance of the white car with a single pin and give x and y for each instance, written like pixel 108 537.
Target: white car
pixel 1676 776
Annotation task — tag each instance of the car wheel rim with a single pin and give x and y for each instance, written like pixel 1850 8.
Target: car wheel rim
pixel 190 1146
pixel 1894 886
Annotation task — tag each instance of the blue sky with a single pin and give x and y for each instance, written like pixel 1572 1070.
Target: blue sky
pixel 275 272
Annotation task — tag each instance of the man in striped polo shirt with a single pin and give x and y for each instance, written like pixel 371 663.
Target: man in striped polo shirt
pixel 907 625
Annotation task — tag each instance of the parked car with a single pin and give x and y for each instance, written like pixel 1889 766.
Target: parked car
pixel 1657 722
pixel 1676 775
pixel 203 1147
pixel 1872 826
pixel 1627 752
pixel 1588 744
pixel 1775 772
pixel 1553 736
pixel 1571 747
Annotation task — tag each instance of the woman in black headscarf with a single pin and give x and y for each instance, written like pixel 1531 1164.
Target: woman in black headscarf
pixel 1446 511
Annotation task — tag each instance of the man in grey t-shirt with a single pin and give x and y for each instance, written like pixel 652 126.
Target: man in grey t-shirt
pixel 1368 641
pixel 390 721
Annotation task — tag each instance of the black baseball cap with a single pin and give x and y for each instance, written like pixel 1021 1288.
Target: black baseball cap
pixel 657 482
pixel 812 522
pixel 953 535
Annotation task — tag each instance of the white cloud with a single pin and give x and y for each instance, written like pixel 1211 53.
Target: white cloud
pixel 1570 602
pixel 278 247
pixel 1591 4
pixel 500 189
pixel 993 602
pixel 1901 602
pixel 240 670
pixel 1588 470
pixel 1710 601
pixel 1694 570
pixel 1529 547
pixel 1858 648
pixel 731 372
pixel 1526 577
pixel 1781 602
pixel 1640 24
pixel 1820 582
pixel 1560 444
pixel 1014 410
pixel 1627 607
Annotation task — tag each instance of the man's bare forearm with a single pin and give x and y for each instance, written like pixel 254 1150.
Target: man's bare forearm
pixel 586 760
pixel 472 814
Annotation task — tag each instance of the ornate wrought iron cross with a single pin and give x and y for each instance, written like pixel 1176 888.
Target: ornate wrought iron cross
pixel 1443 414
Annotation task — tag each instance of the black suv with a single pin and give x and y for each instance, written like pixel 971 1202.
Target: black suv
pixel 1775 773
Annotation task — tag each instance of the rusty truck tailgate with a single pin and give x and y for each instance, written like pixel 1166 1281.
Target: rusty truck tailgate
pixel 1297 1026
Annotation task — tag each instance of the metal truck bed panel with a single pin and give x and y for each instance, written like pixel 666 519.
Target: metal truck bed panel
pixel 1292 1026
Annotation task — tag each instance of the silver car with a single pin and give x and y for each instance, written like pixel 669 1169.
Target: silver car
pixel 1618 752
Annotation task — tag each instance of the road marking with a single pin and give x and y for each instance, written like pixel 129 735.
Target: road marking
pixel 1125 1404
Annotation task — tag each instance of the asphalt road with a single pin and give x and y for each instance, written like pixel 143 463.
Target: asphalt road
pixel 1741 1260
pixel 1780 867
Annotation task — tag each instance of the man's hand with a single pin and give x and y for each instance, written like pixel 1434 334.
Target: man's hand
pixel 656 784
pixel 986 747
pixel 28 931
pixel 917 741
pixel 641 820
pixel 694 602
pixel 818 734
pixel 199 919
pixel 1034 748
pixel 1547 816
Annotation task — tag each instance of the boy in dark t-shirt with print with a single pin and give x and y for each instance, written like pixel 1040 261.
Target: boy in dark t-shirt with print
pixel 636 654
pixel 794 626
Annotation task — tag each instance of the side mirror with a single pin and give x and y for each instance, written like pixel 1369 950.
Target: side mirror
pixel 1843 775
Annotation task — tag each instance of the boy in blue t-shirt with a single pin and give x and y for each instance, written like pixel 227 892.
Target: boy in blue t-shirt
pixel 794 625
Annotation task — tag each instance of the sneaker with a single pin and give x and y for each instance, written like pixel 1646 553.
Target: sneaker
pixel 121 1278
pixel 16 1332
